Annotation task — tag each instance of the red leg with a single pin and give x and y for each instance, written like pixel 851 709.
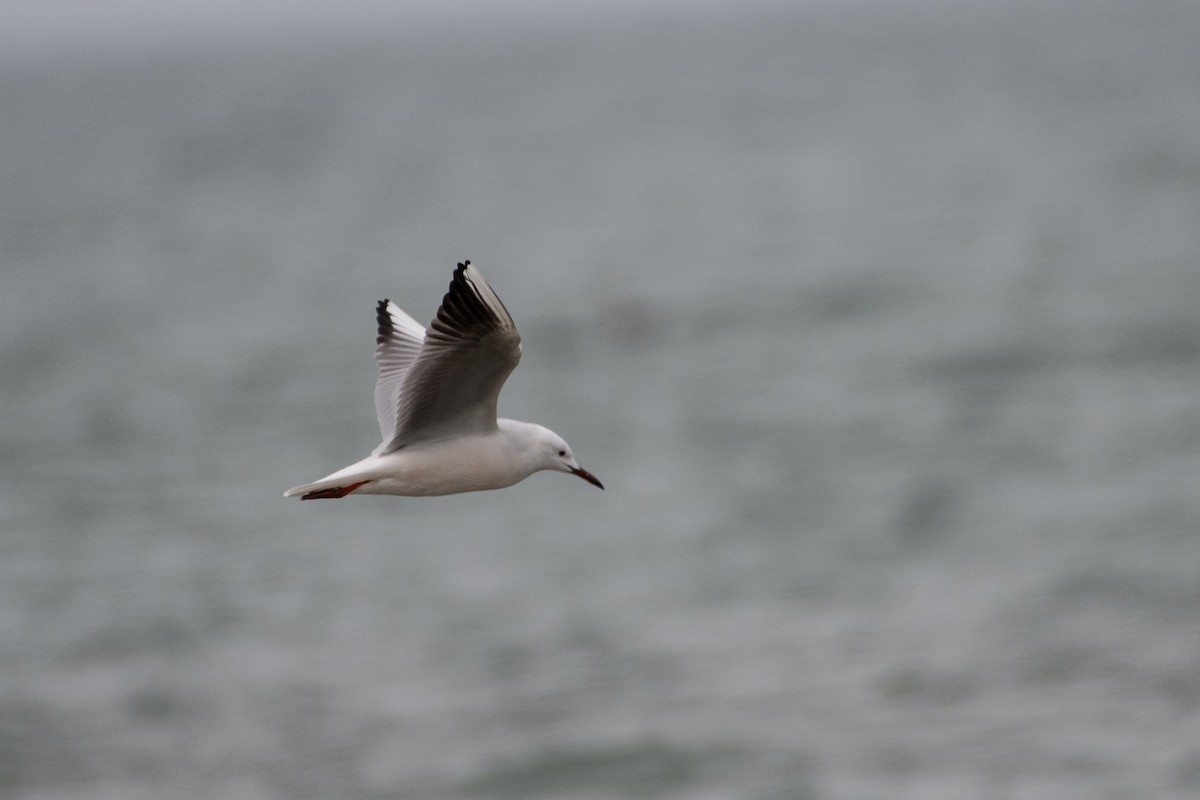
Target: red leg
pixel 333 492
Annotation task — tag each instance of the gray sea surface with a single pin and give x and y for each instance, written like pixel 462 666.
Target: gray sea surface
pixel 879 321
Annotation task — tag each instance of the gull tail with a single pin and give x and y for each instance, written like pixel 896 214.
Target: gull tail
pixel 339 484
pixel 328 493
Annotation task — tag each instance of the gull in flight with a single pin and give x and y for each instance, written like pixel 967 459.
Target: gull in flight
pixel 436 402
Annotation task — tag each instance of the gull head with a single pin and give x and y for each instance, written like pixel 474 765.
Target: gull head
pixel 554 453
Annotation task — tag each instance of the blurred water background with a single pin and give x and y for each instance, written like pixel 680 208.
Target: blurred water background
pixel 878 320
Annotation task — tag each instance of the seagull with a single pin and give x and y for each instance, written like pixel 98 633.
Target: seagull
pixel 436 402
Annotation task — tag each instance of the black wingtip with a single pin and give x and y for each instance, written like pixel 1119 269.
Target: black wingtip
pixel 383 320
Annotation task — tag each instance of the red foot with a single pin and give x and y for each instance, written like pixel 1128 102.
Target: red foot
pixel 334 492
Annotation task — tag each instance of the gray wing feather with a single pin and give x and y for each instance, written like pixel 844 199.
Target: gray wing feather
pixel 397 345
pixel 451 386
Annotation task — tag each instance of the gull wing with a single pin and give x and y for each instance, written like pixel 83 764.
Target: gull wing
pixel 397 344
pixel 450 387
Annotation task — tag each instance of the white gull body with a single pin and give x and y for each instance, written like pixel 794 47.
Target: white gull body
pixel 436 402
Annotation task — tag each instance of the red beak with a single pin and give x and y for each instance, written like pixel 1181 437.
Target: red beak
pixel 587 476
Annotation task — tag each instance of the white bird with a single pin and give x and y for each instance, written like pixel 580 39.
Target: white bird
pixel 436 402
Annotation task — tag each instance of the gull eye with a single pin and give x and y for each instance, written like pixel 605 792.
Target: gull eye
pixel 562 453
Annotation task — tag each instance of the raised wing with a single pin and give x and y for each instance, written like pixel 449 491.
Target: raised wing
pixel 397 344
pixel 451 386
